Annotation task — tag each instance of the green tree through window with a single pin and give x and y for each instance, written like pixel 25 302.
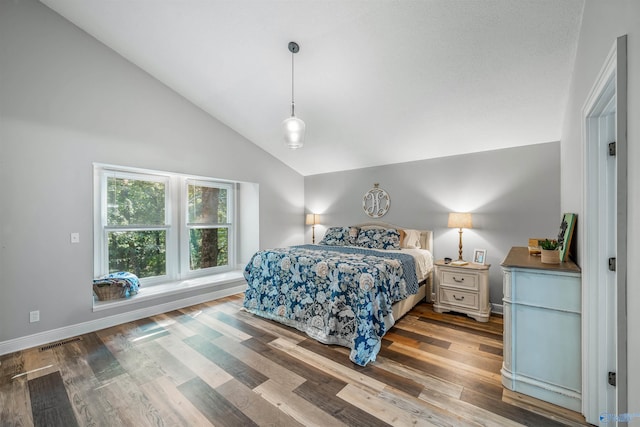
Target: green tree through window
pixel 208 228
pixel 134 206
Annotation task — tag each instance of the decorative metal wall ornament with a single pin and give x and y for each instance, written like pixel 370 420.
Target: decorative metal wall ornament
pixel 376 202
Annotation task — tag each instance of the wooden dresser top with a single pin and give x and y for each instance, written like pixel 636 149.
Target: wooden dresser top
pixel 519 257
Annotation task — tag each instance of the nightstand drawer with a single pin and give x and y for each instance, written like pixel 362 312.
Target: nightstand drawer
pixel 459 298
pixel 458 279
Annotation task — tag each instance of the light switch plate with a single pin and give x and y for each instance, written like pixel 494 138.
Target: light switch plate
pixel 75 237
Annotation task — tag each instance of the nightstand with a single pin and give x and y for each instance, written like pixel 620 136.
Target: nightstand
pixel 464 289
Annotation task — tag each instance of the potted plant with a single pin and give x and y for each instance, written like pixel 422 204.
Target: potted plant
pixel 549 253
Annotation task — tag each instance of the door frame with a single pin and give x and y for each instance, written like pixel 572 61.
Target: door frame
pixel 610 86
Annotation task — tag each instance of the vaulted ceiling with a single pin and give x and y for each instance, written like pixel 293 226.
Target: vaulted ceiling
pixel 376 81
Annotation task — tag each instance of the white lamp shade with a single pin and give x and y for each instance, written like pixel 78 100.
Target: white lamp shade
pixel 460 220
pixel 294 129
pixel 312 219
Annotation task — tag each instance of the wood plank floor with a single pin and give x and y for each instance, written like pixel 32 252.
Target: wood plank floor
pixel 213 364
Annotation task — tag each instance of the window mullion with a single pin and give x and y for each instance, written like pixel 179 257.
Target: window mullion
pixel 136 227
pixel 172 218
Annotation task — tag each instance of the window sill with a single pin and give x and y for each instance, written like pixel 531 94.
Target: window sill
pixel 171 288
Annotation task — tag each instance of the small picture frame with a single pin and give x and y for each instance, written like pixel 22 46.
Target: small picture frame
pixel 479 256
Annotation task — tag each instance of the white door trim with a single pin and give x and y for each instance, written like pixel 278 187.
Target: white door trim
pixel 607 95
pixel 621 237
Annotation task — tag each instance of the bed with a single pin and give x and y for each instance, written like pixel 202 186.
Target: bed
pixel 347 290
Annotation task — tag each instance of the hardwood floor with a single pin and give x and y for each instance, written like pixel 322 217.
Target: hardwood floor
pixel 213 364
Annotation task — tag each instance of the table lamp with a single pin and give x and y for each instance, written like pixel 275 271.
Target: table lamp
pixel 312 220
pixel 460 221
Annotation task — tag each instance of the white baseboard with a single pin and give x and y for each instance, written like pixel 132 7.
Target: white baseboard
pixel 496 308
pixel 53 335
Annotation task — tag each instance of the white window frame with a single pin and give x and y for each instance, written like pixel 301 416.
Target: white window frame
pixel 186 227
pixel 176 215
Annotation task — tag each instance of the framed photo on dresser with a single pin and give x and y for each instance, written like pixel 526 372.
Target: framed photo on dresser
pixel 567 226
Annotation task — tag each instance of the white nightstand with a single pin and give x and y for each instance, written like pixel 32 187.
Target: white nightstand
pixel 463 289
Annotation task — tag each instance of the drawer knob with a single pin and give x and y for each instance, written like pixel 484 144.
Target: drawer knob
pixel 458 280
pixel 458 298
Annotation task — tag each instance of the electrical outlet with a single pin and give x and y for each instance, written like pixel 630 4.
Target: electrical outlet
pixel 75 237
pixel 34 316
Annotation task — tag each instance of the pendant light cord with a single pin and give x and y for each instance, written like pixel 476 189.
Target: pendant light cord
pixel 292 77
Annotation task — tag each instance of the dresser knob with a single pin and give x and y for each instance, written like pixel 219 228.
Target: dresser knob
pixel 458 298
pixel 458 280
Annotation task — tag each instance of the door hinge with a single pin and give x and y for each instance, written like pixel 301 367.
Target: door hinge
pixel 612 378
pixel 612 148
pixel 612 264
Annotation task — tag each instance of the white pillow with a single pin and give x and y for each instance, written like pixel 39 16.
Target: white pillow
pixel 411 239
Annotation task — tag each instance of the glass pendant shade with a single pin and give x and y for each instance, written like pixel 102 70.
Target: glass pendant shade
pixel 293 129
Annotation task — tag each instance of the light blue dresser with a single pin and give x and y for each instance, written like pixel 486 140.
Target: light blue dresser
pixel 542 348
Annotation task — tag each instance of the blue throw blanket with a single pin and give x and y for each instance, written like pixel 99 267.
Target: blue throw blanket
pixel 128 281
pixel 337 295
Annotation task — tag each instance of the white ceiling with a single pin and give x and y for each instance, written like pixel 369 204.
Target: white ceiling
pixel 376 81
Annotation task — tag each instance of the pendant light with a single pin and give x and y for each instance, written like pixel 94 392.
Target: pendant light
pixel 293 127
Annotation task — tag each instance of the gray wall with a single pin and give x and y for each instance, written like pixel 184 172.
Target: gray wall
pixel 67 101
pixel 602 23
pixel 513 194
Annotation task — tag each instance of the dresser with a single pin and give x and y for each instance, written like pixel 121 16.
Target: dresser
pixel 463 289
pixel 542 335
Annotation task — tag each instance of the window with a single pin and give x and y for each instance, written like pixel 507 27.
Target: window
pixel 162 226
pixel 207 224
pixel 136 226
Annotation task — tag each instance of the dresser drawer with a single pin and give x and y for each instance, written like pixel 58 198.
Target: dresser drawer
pixel 456 297
pixel 459 279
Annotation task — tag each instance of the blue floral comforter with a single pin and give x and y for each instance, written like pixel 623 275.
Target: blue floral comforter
pixel 337 295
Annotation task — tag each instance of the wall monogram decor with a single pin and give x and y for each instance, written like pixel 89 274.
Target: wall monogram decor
pixel 376 202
